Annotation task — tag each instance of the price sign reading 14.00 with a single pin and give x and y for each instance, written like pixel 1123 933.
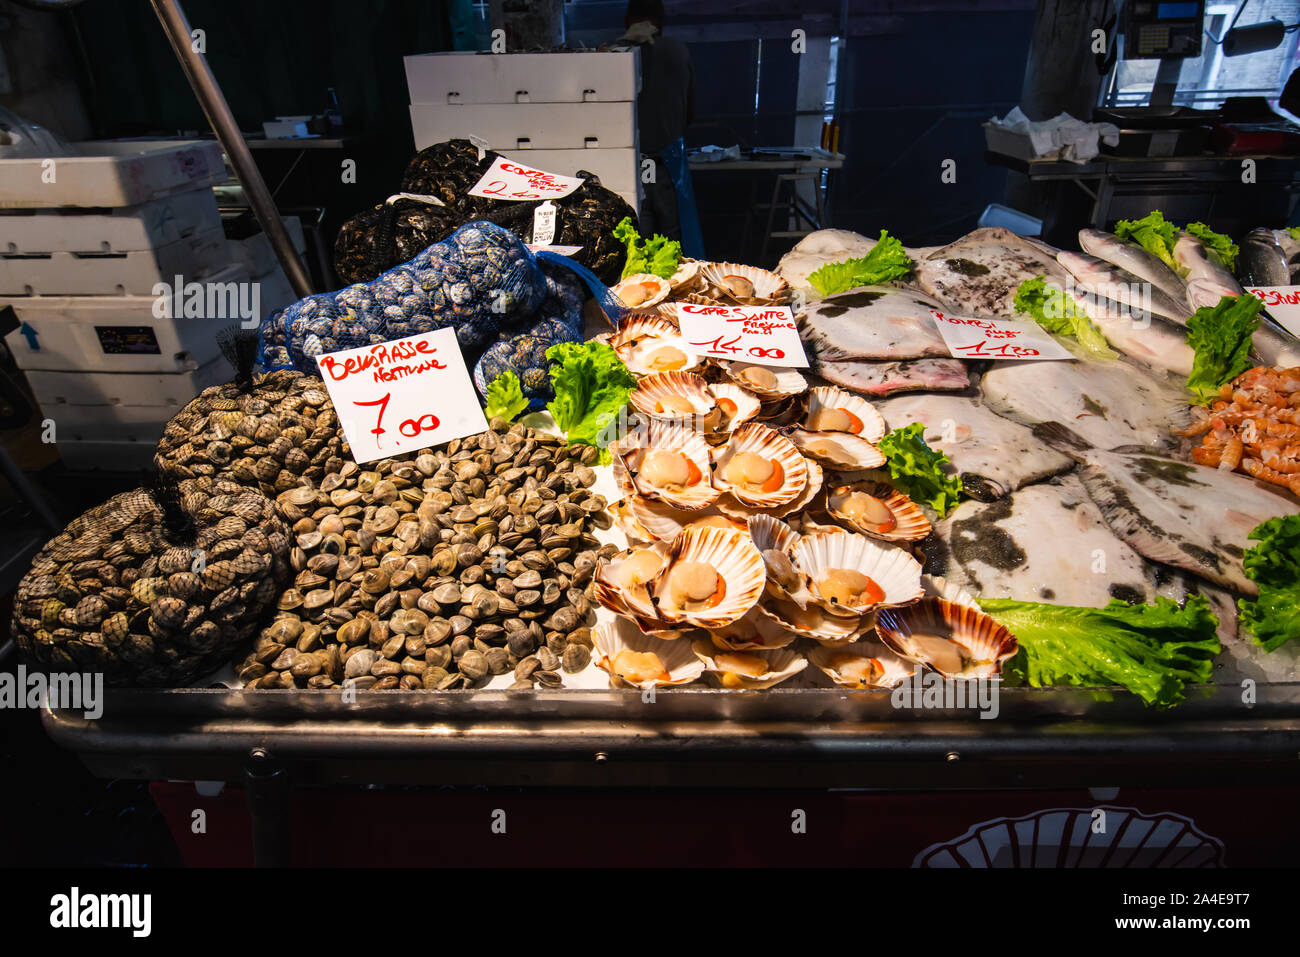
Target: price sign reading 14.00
pixel 763 335
pixel 403 395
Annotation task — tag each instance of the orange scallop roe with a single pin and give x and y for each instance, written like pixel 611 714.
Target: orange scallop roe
pixel 669 470
pixel 835 420
pixel 847 586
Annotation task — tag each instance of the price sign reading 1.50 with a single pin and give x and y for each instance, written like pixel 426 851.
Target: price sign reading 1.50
pixel 763 335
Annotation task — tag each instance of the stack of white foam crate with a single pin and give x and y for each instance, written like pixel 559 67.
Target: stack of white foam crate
pixel 86 242
pixel 558 112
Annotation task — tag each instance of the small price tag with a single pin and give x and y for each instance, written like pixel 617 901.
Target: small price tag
pixel 479 144
pixel 506 179
pixel 1282 303
pixel 968 338
pixel 762 335
pixel 403 395
pixel 544 217
pixel 562 250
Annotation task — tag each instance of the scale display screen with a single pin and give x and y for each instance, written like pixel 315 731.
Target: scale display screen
pixel 1153 30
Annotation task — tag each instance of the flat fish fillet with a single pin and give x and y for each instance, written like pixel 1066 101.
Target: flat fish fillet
pixel 1046 543
pixel 993 455
pixel 886 378
pixel 978 274
pixel 873 322
pixel 1179 513
pixel 1110 403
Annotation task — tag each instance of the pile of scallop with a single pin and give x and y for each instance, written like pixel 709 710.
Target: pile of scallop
pixel 764 535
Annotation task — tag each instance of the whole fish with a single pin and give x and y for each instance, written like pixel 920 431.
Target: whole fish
pixel 1141 336
pixel 1177 513
pixel 1134 259
pixel 1261 261
pixel 1208 280
pixel 1110 281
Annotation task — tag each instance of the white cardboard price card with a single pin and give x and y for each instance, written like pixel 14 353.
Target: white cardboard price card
pixel 1282 303
pixel 762 335
pixel 506 179
pixel 402 396
pixel 968 338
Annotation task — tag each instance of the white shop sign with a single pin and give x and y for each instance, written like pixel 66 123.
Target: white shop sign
pixel 762 335
pixel 968 338
pixel 506 179
pixel 1282 303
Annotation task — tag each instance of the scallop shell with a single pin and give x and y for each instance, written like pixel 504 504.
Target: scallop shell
pixel 687 277
pixel 782 663
pixel 653 389
pixel 840 449
pixel 642 290
pixel 641 357
pixel 752 631
pixel 936 586
pixel 735 559
pixel 640 327
pixel 613 592
pixel 663 522
pixel 911 525
pixel 679 660
pixel 628 523
pixel 661 436
pixel 815 622
pixel 730 507
pixel 781 412
pixel 747 405
pixel 747 285
pixel 774 540
pixel 788 381
pixel 887 669
pixel 762 441
pixel 896 572
pixel 985 643
pixel 829 397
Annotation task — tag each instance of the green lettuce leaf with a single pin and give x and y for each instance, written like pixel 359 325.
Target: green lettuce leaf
pixel 1220 246
pixel 1220 335
pixel 1154 234
pixel 1273 618
pixel 887 260
pixel 1294 231
pixel 505 397
pixel 657 255
pixel 1152 650
pixel 917 469
pixel 591 388
pixel 1047 304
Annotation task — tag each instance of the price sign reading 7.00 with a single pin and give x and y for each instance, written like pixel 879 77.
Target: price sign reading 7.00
pixel 763 335
pixel 402 396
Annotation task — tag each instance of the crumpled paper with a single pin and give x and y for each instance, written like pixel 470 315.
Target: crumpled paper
pixel 1061 137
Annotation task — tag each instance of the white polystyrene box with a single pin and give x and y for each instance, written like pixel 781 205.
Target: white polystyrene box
pixel 537 126
pixel 110 173
pixel 112 229
pixel 483 78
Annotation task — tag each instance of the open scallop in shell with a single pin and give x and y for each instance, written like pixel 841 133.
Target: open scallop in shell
pixel 862 664
pixel 668 463
pixel 677 396
pixel 769 383
pixel 661 521
pixel 687 277
pixel 954 640
pixel 760 468
pixel 739 670
pixel 735 405
pixel 754 631
pixel 639 327
pixel 847 571
pixel 658 354
pixel 775 540
pixel 636 660
pixel 878 510
pixel 747 285
pixel 728 505
pixel 642 290
pixel 622 584
pixel 833 410
pixel 815 622
pixel 711 578
pixel 840 449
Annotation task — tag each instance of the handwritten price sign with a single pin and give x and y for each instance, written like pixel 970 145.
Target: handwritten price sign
pixel 763 335
pixel 995 339
pixel 506 179
pixel 403 395
pixel 1282 303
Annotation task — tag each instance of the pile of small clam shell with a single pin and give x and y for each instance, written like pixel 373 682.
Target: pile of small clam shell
pixel 439 570
pixel 117 592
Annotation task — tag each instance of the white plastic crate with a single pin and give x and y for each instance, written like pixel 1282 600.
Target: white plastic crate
pixel 528 126
pixel 131 273
pixel 110 173
pixel 121 333
pixel 112 229
pixel 480 78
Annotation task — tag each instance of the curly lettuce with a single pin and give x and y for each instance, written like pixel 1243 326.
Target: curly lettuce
pixel 505 397
pixel 1273 618
pixel 591 388
pixel 1154 234
pixel 918 470
pixel 887 260
pixel 1152 650
pixel 1221 338
pixel 1048 305
pixel 658 255
pixel 1219 246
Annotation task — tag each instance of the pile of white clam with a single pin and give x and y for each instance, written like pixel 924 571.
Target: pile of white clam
pixel 762 539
